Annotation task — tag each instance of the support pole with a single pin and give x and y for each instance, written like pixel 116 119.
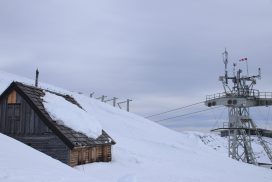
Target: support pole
pixel 247 67
pixel 37 78
pixel 102 98
pixel 114 101
pixel 91 94
pixel 128 100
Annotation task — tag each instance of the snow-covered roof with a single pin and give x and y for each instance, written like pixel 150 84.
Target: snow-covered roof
pixel 63 115
pixel 71 115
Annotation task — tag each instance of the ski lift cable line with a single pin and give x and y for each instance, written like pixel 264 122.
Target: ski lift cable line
pixel 188 114
pixel 217 120
pixel 179 108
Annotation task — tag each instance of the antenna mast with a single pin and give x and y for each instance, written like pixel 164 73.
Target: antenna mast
pixel 239 98
pixel 226 61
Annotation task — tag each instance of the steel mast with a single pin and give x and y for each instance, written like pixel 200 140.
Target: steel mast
pixel 239 97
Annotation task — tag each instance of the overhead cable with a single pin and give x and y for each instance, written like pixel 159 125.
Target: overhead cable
pixel 179 108
pixel 188 114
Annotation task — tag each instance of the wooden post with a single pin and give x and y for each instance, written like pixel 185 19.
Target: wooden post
pixel 128 100
pixel 102 98
pixel 114 101
pixel 91 94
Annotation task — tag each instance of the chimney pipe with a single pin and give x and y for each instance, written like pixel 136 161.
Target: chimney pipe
pixel 37 78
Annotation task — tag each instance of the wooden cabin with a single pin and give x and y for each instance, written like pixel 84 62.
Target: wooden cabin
pixel 24 117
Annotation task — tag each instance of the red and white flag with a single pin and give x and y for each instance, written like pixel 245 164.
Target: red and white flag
pixel 243 59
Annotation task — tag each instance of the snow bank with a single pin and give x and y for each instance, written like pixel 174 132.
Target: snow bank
pixel 70 115
pixel 20 163
pixel 220 144
pixel 145 152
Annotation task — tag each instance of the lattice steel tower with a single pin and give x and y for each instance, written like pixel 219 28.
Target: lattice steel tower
pixel 239 95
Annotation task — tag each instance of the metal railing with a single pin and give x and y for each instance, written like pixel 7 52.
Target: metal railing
pixel 243 93
pixel 216 96
pixel 265 95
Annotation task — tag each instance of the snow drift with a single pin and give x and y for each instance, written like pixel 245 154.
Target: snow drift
pixel 71 115
pixel 145 151
pixel 220 144
pixel 20 163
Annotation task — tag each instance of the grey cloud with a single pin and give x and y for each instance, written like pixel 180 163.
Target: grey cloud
pixel 154 52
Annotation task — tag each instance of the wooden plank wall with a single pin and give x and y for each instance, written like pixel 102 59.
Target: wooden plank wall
pixel 107 153
pixel 12 97
pixel 20 118
pixel 91 154
pixel 21 122
pixel 49 144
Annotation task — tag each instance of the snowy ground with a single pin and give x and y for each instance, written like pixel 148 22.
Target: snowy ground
pixel 220 144
pixel 20 163
pixel 145 152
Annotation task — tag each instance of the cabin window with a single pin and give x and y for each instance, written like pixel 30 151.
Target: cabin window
pixel 12 97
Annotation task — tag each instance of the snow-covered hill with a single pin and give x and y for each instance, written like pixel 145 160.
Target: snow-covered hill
pixel 20 163
pixel 145 152
pixel 220 144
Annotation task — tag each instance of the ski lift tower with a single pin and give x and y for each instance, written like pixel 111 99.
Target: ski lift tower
pixel 239 95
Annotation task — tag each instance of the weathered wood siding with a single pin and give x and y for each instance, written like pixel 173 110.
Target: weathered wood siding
pixel 107 153
pixel 19 120
pixel 90 154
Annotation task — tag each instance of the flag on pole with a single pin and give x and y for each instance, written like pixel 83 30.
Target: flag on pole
pixel 243 59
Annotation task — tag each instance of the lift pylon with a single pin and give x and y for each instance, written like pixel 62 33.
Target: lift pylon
pixel 239 95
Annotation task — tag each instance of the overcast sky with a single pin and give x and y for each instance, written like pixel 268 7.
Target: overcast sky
pixel 162 54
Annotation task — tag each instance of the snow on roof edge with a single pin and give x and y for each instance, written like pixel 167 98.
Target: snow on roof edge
pixel 70 115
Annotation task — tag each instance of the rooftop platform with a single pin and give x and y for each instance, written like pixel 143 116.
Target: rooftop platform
pixel 252 98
